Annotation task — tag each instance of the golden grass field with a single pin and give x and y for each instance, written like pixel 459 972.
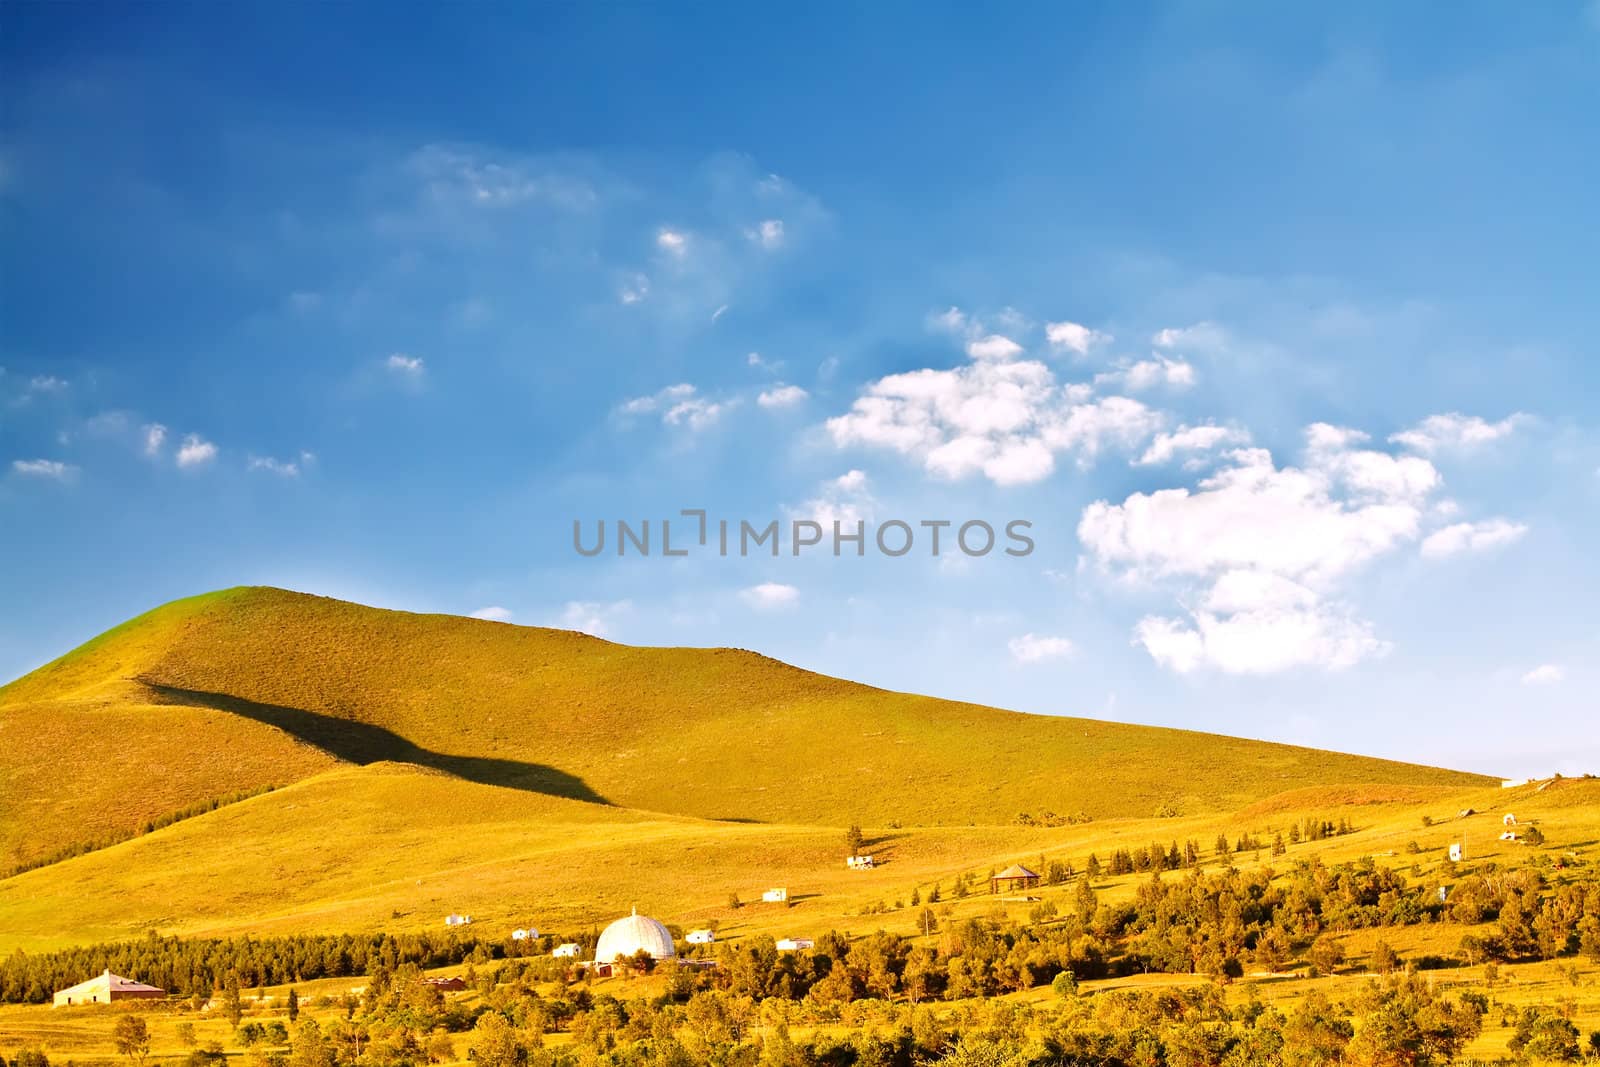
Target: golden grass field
pixel 432 764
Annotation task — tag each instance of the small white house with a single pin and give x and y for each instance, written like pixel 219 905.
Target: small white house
pixel 568 951
pixel 1510 835
pixel 775 896
pixel 701 937
pixel 859 863
pixel 524 935
pixel 1509 820
pixel 457 920
pixel 1455 852
pixel 795 944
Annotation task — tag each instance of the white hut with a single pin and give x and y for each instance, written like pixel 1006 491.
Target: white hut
pixel 1455 852
pixel 568 951
pixel 796 944
pixel 775 896
pixel 524 935
pixel 457 920
pixel 1509 820
pixel 701 937
pixel 859 863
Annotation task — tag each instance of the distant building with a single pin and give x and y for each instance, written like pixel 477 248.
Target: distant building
pixel 795 944
pixel 446 985
pixel 568 951
pixel 1509 820
pixel 631 935
pixel 457 920
pixel 1015 876
pixel 859 863
pixel 1510 835
pixel 1455 852
pixel 524 935
pixel 105 989
pixel 775 896
pixel 701 937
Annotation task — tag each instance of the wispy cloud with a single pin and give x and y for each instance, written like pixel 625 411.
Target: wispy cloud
pixel 768 233
pixel 673 242
pixel 781 396
pixel 1039 648
pixel 155 436
pixel 1544 674
pixel 1456 432
pixel 678 405
pixel 1472 537
pixel 597 618
pixel 494 613
pixel 44 468
pixel 405 366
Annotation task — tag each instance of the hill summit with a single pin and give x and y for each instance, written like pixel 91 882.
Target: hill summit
pixel 234 691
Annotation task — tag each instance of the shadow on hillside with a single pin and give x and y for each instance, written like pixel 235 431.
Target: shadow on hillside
pixel 362 743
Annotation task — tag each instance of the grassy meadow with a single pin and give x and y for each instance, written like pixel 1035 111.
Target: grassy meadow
pixel 423 765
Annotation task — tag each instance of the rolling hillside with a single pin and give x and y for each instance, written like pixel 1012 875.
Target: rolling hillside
pixel 246 688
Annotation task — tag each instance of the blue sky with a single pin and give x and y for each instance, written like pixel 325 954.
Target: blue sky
pixel 1277 325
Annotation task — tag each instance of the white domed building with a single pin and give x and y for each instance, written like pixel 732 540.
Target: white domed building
pixel 631 934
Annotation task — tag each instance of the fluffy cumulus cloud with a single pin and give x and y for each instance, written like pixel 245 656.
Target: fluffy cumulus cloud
pixel 1003 419
pixel 1462 537
pixel 845 500
pixel 1257 551
pixel 769 596
pixel 678 405
pixel 781 396
pixel 403 365
pixel 495 613
pixel 1038 648
pixel 1190 441
pixel 1150 374
pixel 993 346
pixel 1456 432
pixel 195 451
pixel 1072 337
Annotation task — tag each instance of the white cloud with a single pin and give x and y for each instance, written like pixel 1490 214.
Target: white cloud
pixel 1150 373
pixel 44 468
pixel 464 178
pixel 782 396
pixel 770 595
pixel 1190 439
pixel 1472 537
pixel 155 436
pixel 993 346
pixel 673 242
pixel 1256 551
pixel 1071 337
pixel 46 383
pixel 637 289
pixel 1006 420
pixel 1456 432
pixel 845 500
pixel 402 364
pixel 1037 648
pixel 950 320
pixel 1261 641
pixel 195 451
pixel 769 234
pixel 1544 674
pixel 495 613
pixel 721 311
pixel 1201 337
pixel 595 618
pixel 678 405
pixel 284 468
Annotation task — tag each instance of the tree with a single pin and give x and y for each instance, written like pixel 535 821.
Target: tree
pixel 132 1037
pixel 494 1043
pixel 231 1004
pixel 1384 958
pixel 1065 985
pixel 1327 954
pixel 311 1049
pixel 854 840
pixel 294 1004
pixel 185 1032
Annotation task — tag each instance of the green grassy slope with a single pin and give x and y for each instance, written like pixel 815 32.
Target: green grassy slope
pixel 256 685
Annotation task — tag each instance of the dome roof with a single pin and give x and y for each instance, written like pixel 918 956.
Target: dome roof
pixel 628 935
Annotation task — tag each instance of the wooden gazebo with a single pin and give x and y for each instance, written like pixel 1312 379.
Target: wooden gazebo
pixel 1015 876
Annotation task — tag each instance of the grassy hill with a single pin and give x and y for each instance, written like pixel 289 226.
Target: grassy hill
pixel 245 688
